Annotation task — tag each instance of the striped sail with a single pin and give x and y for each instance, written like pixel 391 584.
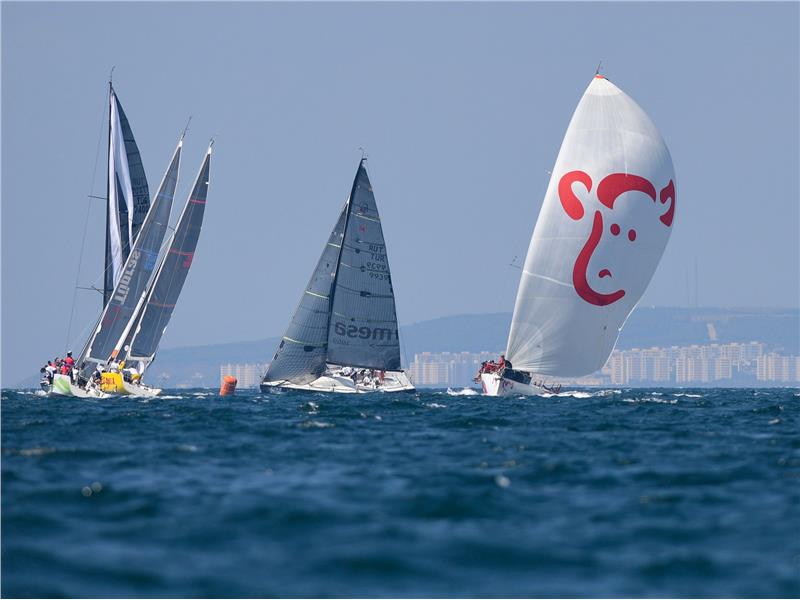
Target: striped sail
pixel 604 223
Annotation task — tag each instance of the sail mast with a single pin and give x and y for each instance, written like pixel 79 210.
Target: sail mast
pixel 108 271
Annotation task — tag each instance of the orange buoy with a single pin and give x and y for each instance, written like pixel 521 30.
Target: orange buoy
pixel 228 386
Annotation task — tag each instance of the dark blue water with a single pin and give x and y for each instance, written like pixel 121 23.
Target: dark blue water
pixel 626 493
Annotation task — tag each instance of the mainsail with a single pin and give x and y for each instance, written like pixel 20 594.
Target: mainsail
pixel 363 324
pixel 604 223
pixel 128 194
pixel 346 315
pixel 118 314
pixel 171 275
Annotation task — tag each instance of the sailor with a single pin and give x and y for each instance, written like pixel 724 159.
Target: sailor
pixel 129 374
pixel 69 361
pixel 504 364
pixel 345 372
pixel 51 370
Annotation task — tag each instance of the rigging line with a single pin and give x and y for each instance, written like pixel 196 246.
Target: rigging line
pixel 86 224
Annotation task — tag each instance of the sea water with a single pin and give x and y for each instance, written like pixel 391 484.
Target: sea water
pixel 631 492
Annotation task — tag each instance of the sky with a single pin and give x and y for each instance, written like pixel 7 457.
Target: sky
pixel 461 108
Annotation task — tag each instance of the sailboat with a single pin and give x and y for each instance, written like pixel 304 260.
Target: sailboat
pixel 133 322
pixel 144 294
pixel 605 221
pixel 127 202
pixel 343 336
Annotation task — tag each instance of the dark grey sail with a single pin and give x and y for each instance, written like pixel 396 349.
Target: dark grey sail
pixel 301 354
pixel 115 320
pixel 130 189
pixel 169 280
pixel 363 328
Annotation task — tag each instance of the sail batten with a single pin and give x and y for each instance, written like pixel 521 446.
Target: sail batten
pixel 604 223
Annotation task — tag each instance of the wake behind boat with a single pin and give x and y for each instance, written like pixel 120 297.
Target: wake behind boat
pixel 606 218
pixel 343 336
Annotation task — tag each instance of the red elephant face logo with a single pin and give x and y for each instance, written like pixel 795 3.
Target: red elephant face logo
pixel 609 189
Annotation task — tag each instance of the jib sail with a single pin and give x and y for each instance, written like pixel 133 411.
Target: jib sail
pixel 302 353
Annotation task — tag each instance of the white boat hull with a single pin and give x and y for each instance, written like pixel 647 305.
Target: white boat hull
pixel 394 381
pixel 140 390
pixel 494 384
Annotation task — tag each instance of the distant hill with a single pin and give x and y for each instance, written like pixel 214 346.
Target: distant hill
pixel 647 326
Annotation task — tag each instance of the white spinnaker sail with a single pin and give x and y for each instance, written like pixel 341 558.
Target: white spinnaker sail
pixel 604 223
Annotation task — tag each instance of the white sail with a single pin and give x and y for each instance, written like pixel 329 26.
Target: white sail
pixel 604 223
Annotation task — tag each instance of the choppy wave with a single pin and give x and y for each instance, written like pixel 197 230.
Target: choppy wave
pixel 653 399
pixel 463 392
pixel 591 492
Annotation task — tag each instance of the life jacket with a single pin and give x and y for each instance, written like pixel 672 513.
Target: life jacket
pixel 64 369
pixel 69 361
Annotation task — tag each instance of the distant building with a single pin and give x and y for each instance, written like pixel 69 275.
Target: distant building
pixel 689 364
pixel 249 375
pixel 776 368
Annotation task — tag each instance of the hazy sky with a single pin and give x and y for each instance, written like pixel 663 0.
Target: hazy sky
pixel 462 108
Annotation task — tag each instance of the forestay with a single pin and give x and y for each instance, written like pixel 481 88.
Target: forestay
pixel 363 324
pixel 118 313
pixel 128 194
pixel 171 275
pixel 604 223
pixel 301 355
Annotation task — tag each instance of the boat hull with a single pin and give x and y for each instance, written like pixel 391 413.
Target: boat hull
pixel 394 381
pixel 114 384
pixel 494 384
pixel 139 390
pixel 62 386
